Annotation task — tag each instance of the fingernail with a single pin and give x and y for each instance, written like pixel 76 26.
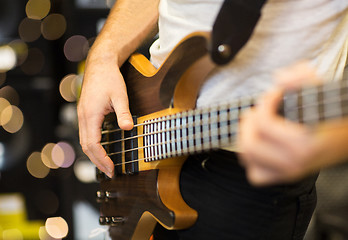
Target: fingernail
pixel 109 174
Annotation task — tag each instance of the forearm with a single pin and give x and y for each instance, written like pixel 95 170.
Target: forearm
pixel 333 137
pixel 129 23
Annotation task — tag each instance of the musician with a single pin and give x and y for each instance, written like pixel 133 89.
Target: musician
pixel 215 184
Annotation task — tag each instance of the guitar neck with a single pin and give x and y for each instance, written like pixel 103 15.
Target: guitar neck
pixel 312 105
pixel 216 127
pixel 193 131
pixel 204 129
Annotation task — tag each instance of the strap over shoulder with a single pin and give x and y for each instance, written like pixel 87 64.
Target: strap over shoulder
pixel 233 27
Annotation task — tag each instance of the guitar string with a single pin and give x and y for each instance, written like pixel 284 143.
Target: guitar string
pixel 193 124
pixel 235 105
pixel 325 102
pixel 176 153
pixel 333 86
pixel 170 130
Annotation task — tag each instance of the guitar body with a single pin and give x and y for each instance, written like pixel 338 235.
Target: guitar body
pixel 136 198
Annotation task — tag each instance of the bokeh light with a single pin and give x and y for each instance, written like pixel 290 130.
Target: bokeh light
pixel 68 87
pixel 37 9
pixel 21 50
pixel 43 234
pixel 10 94
pixel 75 48
pixel 8 58
pixel 85 171
pixel 12 119
pixel 53 26
pixel 46 156
pixel 57 227
pixel 4 104
pixel 34 62
pixel 63 154
pixel 29 30
pixel 12 234
pixel 36 167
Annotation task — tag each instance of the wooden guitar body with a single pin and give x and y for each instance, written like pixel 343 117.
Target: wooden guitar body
pixel 143 193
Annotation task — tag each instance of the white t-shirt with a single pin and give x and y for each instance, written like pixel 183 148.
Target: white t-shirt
pixel 288 31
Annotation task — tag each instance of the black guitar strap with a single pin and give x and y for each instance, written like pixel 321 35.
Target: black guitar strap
pixel 233 27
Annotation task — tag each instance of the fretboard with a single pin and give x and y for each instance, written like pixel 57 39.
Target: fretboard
pixel 312 105
pixel 193 131
pixel 216 127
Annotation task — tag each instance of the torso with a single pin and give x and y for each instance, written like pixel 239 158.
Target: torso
pixel 288 31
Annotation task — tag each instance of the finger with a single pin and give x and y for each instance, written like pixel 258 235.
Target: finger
pixel 283 133
pixel 121 106
pixel 90 136
pixel 296 75
pixel 261 176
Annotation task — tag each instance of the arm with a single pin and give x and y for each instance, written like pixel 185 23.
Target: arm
pixel 103 90
pixel 274 150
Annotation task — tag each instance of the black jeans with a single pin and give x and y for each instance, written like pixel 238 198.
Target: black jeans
pixel 230 208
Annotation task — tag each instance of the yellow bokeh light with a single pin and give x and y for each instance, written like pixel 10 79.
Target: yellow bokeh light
pixel 15 122
pixel 10 94
pixel 53 26
pixel 12 234
pixel 46 156
pixel 57 227
pixel 37 9
pixel 36 167
pixel 68 87
pixel 3 104
pixel 21 50
pixel 29 30
pixel 6 115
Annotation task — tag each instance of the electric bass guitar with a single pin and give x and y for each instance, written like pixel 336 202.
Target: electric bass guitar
pixel 148 159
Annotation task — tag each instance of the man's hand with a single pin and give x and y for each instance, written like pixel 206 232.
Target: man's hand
pixel 273 149
pixel 103 91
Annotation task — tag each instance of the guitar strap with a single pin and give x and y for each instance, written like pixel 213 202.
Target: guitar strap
pixel 233 27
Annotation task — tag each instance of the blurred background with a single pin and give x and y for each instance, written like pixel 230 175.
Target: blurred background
pixel 47 185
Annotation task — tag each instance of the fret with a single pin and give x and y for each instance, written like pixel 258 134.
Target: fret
pixel 164 139
pixel 178 133
pixel 173 137
pixel 159 137
pixel 184 130
pixel 224 139
pixel 214 120
pixel 152 141
pixel 191 133
pixel 206 130
pixel 169 139
pixel 146 142
pixel 233 119
pixel 310 102
pixel 331 96
pixel 198 131
pixel 290 107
